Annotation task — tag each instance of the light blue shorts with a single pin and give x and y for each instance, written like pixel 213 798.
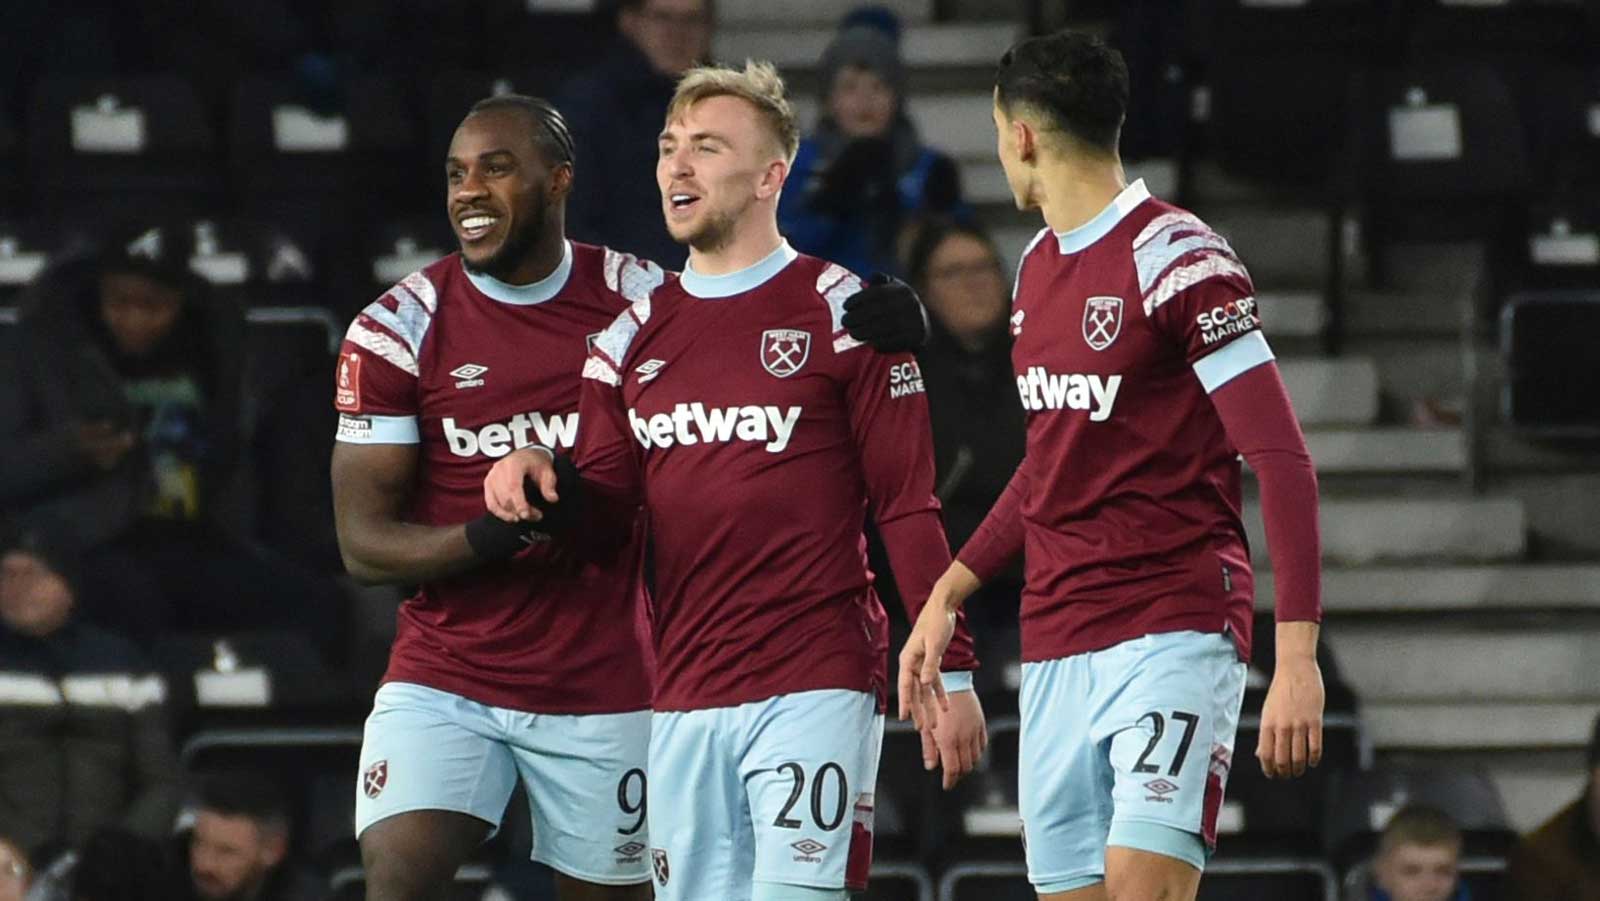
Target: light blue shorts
pixel 426 749
pixel 1127 746
pixel 778 792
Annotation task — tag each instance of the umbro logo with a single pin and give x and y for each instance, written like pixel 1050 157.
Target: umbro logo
pixel 649 369
pixel 1161 789
pixel 808 849
pixel 470 375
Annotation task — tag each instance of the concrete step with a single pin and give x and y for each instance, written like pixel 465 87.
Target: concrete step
pixel 798 44
pixel 1433 664
pixel 1479 726
pixel 737 13
pixel 1291 313
pixel 1380 451
pixel 1358 532
pixel 1426 589
pixel 1339 391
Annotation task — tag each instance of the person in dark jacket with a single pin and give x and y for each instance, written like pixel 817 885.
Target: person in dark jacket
pixel 84 739
pixel 863 174
pixel 615 111
pixel 1561 858
pixel 122 394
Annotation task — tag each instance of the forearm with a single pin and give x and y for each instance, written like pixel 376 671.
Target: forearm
pixel 1256 414
pixel 998 540
pixel 395 552
pixel 918 553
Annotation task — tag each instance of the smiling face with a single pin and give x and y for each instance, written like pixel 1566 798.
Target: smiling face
pixel 499 189
pixel 718 160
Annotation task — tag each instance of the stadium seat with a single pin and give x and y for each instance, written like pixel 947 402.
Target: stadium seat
pixel 1441 158
pixel 1267 119
pixel 1265 879
pixel 328 170
pixel 114 147
pixel 1547 341
pixel 897 881
pixel 317 766
pixel 350 884
pixel 26 247
pixel 1361 803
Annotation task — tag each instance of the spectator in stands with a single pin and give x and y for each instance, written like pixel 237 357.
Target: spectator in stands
pixel 1418 859
pixel 16 871
pixel 863 173
pixel 615 111
pixel 978 428
pixel 239 843
pixel 124 402
pixel 84 741
pixel 1561 859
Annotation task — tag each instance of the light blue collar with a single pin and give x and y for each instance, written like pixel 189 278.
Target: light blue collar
pixel 526 295
pixel 711 287
pixel 1107 219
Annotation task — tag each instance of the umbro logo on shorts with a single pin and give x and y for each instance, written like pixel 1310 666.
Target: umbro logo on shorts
pixel 1161 788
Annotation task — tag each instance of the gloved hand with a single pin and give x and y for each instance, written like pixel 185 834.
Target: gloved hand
pixel 861 172
pixel 888 315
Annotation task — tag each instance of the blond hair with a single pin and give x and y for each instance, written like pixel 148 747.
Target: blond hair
pixel 758 84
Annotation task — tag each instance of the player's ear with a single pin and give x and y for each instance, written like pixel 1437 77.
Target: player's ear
pixel 772 179
pixel 559 184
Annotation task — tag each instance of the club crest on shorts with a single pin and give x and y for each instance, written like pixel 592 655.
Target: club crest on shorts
pixel 784 350
pixel 1102 321
pixel 658 862
pixel 375 778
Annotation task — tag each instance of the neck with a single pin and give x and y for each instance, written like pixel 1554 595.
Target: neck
pixel 1070 192
pixel 748 243
pixel 541 260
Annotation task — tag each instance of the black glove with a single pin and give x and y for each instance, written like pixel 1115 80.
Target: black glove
pixel 862 171
pixel 888 315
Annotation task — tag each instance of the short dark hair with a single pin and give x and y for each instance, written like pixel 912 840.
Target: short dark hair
pixel 1075 79
pixel 550 132
pixel 934 231
pixel 239 793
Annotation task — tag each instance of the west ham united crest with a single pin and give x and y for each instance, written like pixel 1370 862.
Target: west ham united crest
pixel 658 860
pixel 1102 321
pixel 784 350
pixel 375 778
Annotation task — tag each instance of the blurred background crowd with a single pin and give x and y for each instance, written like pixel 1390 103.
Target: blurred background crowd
pixel 194 199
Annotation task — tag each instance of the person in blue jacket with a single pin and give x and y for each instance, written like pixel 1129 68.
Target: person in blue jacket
pixel 864 173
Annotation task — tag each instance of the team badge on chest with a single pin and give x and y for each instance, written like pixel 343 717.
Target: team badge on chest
pixel 784 350
pixel 1102 321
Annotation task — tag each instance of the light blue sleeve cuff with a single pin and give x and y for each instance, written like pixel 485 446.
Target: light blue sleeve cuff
pixel 1237 357
pixel 378 429
pixel 960 680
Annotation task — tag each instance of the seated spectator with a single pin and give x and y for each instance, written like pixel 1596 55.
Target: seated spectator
pixel 1561 859
pixel 123 400
pixel 616 111
pixel 1418 859
pixel 863 173
pixel 84 741
pixel 16 872
pixel 239 843
pixel 978 428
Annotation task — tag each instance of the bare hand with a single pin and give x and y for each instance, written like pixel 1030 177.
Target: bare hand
pixel 102 443
pixel 503 491
pixel 958 741
pixel 1291 719
pixel 922 693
